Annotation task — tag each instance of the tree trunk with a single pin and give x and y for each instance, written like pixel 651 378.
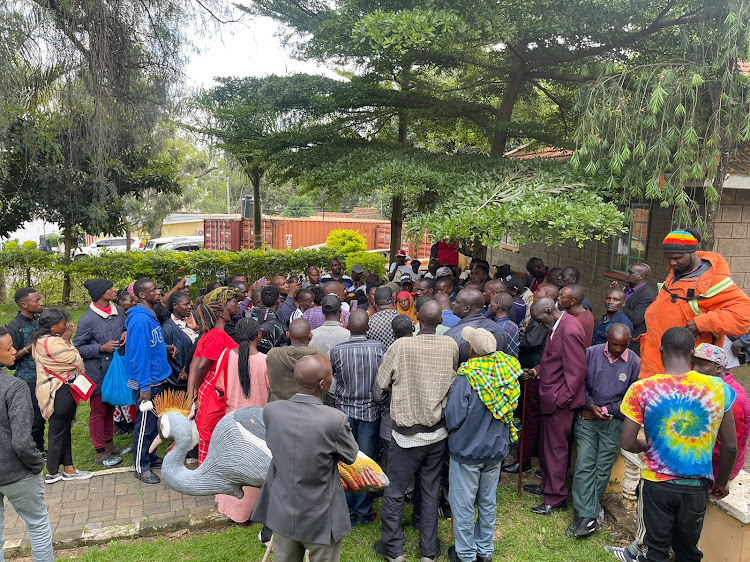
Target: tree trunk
pixel 712 207
pixel 397 202
pixel 3 288
pixel 502 118
pixel 257 234
pixel 68 248
pixel 127 236
pixel 478 250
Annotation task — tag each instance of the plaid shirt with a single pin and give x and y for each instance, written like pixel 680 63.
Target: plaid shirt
pixel 421 370
pixel 495 378
pixel 381 329
pixel 355 365
pixel 512 342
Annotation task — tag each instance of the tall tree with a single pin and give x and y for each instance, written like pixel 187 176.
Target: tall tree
pixel 662 127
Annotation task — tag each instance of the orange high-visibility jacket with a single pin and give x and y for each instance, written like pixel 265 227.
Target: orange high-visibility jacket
pixel 718 306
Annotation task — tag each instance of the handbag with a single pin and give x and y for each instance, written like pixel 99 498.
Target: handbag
pixel 81 386
pixel 212 403
pixel 115 389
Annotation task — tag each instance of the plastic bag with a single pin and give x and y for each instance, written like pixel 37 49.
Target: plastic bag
pixel 365 475
pixel 115 389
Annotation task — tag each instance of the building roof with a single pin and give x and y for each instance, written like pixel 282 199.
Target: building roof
pixel 524 152
pixel 739 160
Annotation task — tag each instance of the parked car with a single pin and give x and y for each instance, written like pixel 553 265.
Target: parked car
pixel 157 243
pixel 108 244
pixel 185 244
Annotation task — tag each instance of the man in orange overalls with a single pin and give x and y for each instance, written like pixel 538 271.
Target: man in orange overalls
pixel 698 294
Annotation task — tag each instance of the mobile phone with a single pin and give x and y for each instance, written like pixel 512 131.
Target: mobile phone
pixel 609 416
pixel 191 280
pixel 262 282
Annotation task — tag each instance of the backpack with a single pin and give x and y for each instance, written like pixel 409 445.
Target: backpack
pixel 272 330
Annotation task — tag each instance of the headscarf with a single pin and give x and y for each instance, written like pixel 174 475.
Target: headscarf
pixel 206 315
pixel 411 312
pixel 221 295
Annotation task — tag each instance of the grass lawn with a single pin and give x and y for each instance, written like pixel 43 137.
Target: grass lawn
pixel 519 537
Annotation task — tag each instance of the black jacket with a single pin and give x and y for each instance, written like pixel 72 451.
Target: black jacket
pixel 635 308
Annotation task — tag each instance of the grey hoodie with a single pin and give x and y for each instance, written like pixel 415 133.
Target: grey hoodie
pixel 280 363
pixel 18 454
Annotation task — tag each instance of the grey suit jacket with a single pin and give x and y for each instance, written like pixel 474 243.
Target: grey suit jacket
pixel 302 497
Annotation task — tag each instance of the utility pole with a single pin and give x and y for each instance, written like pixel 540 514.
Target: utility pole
pixel 229 204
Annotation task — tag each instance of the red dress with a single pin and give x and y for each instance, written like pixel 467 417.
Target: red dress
pixel 210 346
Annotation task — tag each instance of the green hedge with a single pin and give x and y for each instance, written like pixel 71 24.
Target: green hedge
pixel 22 263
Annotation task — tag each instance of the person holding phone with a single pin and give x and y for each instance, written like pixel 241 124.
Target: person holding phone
pixel 612 369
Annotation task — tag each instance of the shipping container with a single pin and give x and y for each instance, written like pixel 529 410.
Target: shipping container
pixel 281 233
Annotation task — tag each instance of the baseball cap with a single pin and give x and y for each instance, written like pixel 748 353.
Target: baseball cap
pixel 515 283
pixel 358 268
pixel 712 353
pixel 443 270
pixel 401 252
pixel 482 341
pixel 406 278
pixel 331 303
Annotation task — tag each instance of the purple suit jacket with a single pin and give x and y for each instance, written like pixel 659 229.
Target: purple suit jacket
pixel 563 369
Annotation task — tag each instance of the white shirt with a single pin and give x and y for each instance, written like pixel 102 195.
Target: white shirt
pixel 552 333
pixel 403 269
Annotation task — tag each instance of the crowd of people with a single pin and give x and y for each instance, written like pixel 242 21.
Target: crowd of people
pixel 436 374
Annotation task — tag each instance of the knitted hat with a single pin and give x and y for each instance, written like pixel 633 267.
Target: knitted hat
pixel 681 242
pixel 712 353
pixel 482 341
pixel 97 287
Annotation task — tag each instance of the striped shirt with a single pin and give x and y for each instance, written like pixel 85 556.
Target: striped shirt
pixel 355 365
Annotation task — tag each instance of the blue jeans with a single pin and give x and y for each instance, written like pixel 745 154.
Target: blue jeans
pixel 469 484
pixel 145 431
pixel 367 436
pixel 27 498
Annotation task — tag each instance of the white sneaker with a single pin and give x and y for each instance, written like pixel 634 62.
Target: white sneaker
pixel 77 475
pixel 52 478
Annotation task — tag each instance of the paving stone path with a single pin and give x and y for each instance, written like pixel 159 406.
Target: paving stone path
pixel 111 505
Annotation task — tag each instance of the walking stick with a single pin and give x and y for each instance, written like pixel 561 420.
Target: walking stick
pixel 520 439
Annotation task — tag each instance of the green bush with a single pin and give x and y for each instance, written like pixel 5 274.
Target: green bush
pixel 344 242
pixel 29 266
pixel 372 261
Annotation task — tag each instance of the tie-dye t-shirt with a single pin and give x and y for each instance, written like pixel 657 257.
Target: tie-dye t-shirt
pixel 681 416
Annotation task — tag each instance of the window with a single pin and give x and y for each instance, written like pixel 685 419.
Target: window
pixel 630 247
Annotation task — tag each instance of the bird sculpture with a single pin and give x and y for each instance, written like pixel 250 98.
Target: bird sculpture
pixel 237 455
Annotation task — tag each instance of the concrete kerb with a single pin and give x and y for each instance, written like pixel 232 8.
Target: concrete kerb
pixel 96 533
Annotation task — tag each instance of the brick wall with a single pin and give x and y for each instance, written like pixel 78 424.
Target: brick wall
pixel 731 233
pixel 593 259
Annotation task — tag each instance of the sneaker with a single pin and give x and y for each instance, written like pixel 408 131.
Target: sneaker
pixel 261 541
pixel 570 531
pixel 44 455
pixel 586 527
pixel 77 475
pixel 445 511
pixel 52 478
pixel 620 553
pixel 379 549
pixel 109 460
pixel 118 452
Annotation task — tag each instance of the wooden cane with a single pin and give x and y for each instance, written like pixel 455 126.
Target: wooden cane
pixel 520 439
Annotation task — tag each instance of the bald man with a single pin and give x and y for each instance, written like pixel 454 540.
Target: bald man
pixel 302 499
pixel 469 306
pixel 419 372
pixel 562 377
pixel 638 297
pixel 614 301
pixel 280 361
pixel 612 368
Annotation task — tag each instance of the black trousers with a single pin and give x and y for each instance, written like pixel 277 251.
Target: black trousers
pixel 37 429
pixel 59 451
pixel 423 463
pixel 670 515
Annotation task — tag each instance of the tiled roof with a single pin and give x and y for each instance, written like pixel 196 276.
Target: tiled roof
pixel 739 160
pixel 524 153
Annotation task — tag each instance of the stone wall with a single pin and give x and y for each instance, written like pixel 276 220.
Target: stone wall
pixel 731 233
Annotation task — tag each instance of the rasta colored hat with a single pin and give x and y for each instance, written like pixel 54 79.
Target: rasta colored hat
pixel 681 242
pixel 712 353
pixel 97 287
